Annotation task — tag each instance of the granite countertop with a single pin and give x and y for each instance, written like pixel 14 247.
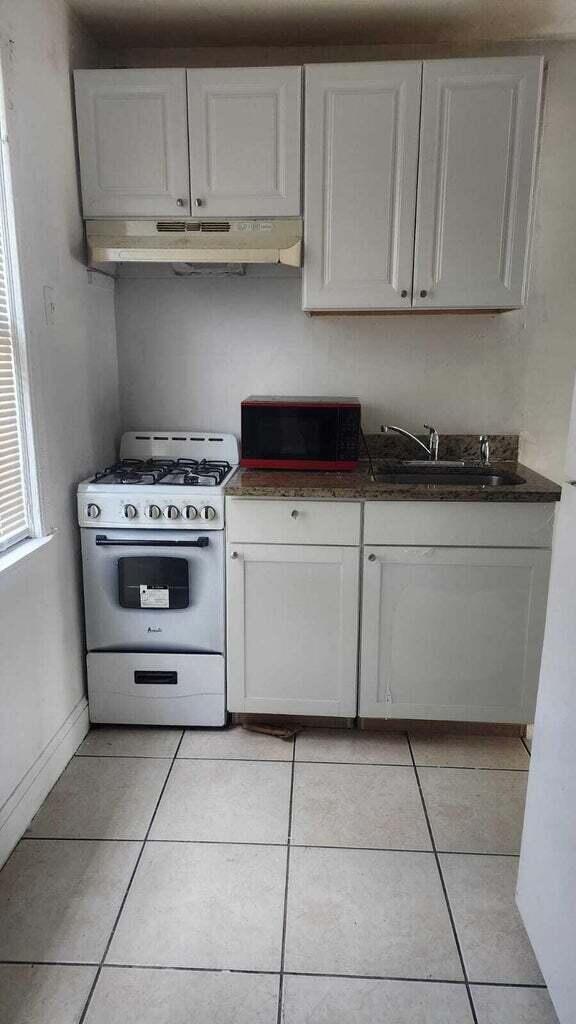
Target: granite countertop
pixel 357 486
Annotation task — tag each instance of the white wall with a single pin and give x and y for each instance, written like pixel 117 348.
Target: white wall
pixel 190 350
pixel 75 402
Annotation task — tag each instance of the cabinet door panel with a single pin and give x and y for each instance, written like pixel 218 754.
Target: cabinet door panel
pixel 132 137
pixel 452 633
pixel 478 142
pixel 245 141
pixel 292 629
pixel 361 155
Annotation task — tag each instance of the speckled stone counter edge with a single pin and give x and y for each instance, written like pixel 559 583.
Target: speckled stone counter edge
pixel 359 487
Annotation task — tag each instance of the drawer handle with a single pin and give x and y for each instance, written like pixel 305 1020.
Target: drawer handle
pixel 294 513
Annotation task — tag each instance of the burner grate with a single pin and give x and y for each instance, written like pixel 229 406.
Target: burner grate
pixel 174 472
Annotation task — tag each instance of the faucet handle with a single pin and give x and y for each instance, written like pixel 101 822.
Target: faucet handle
pixel 433 443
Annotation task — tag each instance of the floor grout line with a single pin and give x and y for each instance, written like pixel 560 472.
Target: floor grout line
pixel 276 974
pixel 128 887
pixel 122 757
pixel 185 757
pixel 287 760
pixel 423 981
pixel 293 846
pixel 287 882
pixel 443 884
pixel 51 963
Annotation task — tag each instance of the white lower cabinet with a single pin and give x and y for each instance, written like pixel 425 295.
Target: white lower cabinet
pixel 292 628
pixel 452 633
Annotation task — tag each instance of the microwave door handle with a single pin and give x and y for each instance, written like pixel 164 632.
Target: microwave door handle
pixel 103 541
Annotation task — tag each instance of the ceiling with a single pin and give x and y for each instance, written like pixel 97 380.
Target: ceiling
pixel 191 23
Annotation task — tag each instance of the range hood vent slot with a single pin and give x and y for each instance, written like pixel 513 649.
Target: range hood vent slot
pixel 215 225
pixel 196 225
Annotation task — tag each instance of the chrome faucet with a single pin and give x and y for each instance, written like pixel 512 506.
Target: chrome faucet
pixel 431 448
pixel 484 450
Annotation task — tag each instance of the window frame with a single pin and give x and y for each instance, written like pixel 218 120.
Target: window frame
pixel 33 529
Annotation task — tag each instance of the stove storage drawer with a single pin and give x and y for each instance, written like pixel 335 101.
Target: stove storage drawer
pixel 156 689
pixel 292 521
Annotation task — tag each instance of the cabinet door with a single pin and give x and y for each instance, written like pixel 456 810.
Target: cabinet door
pixel 478 143
pixel 133 142
pixel 361 154
pixel 292 629
pixel 452 633
pixel 245 141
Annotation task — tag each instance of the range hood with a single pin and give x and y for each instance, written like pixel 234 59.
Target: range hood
pixel 193 240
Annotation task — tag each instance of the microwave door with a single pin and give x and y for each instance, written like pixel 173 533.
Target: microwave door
pixel 284 435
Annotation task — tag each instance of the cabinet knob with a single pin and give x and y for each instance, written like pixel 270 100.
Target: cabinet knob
pixel 404 293
pixel 372 558
pixel 233 554
pixel 198 202
pixel 294 513
pixel 180 202
pixel 423 293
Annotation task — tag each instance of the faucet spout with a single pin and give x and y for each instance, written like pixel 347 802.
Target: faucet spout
pixel 431 449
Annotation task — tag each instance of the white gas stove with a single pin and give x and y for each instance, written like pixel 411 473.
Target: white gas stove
pixel 164 479
pixel 153 562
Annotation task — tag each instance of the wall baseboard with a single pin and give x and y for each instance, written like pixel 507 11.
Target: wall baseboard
pixel 27 798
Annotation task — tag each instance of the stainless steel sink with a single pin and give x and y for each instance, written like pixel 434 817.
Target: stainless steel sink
pixel 455 476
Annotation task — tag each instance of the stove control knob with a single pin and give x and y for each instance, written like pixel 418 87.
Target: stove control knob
pixel 190 512
pixel 171 512
pixel 130 511
pixel 154 511
pixel 208 512
pixel 93 511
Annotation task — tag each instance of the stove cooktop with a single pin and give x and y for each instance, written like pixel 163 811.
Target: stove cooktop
pixel 168 472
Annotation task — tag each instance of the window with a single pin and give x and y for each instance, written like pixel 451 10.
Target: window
pixel 16 518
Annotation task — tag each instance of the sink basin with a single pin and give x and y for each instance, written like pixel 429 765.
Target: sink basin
pixel 456 476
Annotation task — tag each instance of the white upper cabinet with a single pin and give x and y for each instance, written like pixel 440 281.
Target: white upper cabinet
pixel 478 142
pixel 245 141
pixel 133 142
pixel 361 158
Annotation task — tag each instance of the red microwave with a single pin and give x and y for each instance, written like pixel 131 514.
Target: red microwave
pixel 300 433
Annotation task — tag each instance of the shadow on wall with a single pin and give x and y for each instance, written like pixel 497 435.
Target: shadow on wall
pixel 315 22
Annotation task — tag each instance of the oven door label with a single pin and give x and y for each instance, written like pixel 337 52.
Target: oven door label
pixel 154 597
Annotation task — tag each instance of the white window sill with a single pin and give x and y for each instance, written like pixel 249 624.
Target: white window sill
pixel 21 551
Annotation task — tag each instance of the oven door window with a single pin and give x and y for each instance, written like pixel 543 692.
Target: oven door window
pixel 153 582
pixel 289 433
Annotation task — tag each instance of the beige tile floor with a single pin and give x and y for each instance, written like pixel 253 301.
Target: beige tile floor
pixel 230 877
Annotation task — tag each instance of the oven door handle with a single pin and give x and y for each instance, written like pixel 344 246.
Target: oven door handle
pixel 103 541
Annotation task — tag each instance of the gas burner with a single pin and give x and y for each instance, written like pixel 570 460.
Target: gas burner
pixel 198 473
pixel 135 471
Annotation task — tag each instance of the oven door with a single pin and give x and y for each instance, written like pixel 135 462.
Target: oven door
pixel 150 590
